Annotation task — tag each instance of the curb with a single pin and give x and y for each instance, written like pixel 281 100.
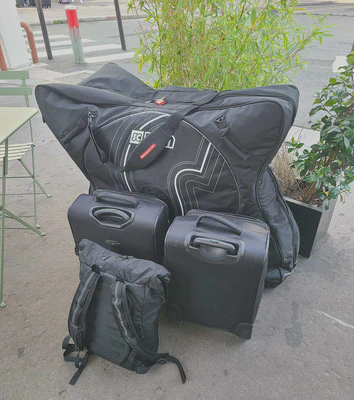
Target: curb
pixel 319 3
pixel 323 3
pixel 88 19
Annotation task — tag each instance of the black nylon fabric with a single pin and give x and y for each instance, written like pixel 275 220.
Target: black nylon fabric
pixel 217 159
pixel 145 281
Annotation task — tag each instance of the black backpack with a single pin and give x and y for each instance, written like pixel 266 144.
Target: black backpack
pixel 115 311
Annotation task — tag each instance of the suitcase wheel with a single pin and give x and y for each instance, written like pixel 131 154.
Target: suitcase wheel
pixel 173 314
pixel 244 331
pixel 142 370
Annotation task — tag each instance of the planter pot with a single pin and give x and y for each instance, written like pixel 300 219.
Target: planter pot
pixel 313 222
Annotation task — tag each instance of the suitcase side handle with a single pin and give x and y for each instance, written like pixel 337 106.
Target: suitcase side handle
pixel 224 221
pixel 117 198
pixel 112 217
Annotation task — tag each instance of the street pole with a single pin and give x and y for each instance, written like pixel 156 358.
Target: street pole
pixel 120 25
pixel 44 29
pixel 74 29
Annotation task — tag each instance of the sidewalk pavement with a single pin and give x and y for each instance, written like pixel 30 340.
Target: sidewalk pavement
pixel 99 10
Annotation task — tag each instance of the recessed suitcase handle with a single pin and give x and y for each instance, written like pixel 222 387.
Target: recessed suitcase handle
pixel 202 241
pixel 117 198
pixel 107 213
pixel 236 228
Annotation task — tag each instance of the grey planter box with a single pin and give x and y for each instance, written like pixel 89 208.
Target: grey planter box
pixel 313 223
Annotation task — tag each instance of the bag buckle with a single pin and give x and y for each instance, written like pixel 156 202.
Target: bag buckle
pixel 160 102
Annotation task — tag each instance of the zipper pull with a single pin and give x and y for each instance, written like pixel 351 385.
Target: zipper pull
pixel 91 115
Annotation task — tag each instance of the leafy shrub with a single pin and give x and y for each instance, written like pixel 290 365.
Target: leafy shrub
pixel 327 168
pixel 222 44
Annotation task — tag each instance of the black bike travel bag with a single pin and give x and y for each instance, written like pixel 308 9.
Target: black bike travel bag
pixel 218 264
pixel 193 149
pixel 115 311
pixel 132 224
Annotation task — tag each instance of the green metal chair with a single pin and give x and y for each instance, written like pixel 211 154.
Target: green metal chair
pixel 18 150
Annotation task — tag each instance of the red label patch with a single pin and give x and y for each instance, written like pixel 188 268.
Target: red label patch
pixel 147 151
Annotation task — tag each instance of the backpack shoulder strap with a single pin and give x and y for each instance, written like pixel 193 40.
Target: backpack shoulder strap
pixel 80 305
pixel 78 310
pixel 125 323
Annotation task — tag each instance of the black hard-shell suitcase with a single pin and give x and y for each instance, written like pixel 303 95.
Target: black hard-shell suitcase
pixel 218 264
pixel 131 223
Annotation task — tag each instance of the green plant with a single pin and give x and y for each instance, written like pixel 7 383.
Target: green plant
pixel 327 167
pixel 222 44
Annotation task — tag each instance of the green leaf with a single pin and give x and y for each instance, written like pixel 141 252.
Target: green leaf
pixel 346 142
pixel 253 16
pixel 315 110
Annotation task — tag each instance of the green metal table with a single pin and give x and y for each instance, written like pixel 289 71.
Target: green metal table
pixel 11 119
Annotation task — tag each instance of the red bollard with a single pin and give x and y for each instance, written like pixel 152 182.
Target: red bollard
pixel 31 42
pixel 73 23
pixel 3 66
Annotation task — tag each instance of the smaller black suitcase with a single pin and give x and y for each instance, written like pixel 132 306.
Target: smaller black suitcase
pixel 132 224
pixel 218 264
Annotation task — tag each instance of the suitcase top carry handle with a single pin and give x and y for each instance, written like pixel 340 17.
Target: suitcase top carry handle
pixel 220 244
pixel 112 217
pixel 236 228
pixel 116 198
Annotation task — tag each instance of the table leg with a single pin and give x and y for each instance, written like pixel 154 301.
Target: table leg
pixel 3 201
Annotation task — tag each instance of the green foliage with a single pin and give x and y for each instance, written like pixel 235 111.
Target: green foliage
pixel 328 166
pixel 221 44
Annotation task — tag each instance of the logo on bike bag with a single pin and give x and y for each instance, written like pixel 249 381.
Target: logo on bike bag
pixel 136 137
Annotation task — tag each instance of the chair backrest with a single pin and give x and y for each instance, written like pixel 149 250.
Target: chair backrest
pixel 22 90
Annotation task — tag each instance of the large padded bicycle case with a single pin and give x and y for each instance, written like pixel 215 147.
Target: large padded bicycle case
pixel 132 224
pixel 193 149
pixel 115 311
pixel 218 264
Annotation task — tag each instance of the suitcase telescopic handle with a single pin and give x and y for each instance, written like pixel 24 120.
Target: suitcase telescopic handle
pixel 236 228
pixel 116 198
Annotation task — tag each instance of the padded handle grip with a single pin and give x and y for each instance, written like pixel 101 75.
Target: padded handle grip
pixel 217 218
pixel 112 217
pixel 220 244
pixel 116 198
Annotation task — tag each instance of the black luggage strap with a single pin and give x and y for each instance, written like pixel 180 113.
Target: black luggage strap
pixel 80 362
pixel 125 323
pixel 80 304
pixel 150 148
pixel 77 314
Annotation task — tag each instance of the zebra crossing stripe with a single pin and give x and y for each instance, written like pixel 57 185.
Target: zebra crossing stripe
pixel 51 37
pixel 109 57
pixel 90 49
pixel 62 43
